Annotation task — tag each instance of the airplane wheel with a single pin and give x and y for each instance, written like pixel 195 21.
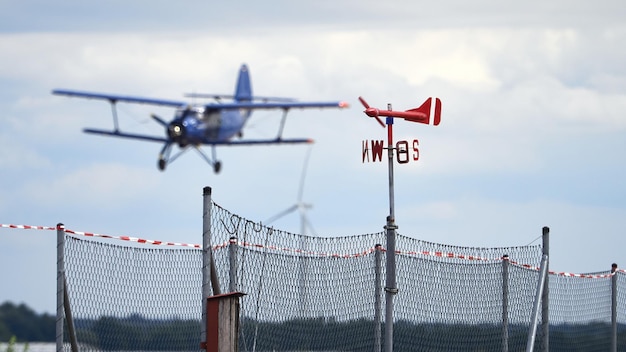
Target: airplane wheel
pixel 161 164
pixel 217 167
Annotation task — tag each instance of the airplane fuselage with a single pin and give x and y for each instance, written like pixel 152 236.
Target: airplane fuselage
pixel 203 125
pixel 214 124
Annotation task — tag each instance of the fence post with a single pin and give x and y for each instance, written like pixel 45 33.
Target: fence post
pixel 545 299
pixel 60 286
pixel 391 288
pixel 69 321
pixel 209 272
pixel 232 270
pixel 614 308
pixel 532 332
pixel 378 289
pixel 505 303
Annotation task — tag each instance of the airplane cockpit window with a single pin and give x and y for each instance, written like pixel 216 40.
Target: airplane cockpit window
pixel 212 118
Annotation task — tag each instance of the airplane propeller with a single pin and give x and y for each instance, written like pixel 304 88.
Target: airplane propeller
pixel 176 133
pixel 159 120
pixel 371 111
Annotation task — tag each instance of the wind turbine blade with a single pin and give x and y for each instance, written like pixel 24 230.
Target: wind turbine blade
pixel 300 206
pixel 281 214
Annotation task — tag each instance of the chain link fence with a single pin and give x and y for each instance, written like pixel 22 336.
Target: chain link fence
pixel 308 293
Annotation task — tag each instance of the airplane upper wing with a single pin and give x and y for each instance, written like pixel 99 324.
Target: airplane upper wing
pixel 277 105
pixel 229 96
pixel 115 98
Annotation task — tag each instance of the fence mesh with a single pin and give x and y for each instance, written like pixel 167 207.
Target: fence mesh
pixel 580 313
pixel 308 293
pixel 133 298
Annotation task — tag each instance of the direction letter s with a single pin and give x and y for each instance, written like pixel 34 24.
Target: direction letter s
pixel 416 152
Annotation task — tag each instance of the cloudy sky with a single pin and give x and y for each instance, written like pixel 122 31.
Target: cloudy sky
pixel 533 131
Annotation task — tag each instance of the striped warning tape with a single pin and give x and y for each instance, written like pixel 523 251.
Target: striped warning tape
pixel 300 251
pixel 448 255
pixel 27 227
pixel 91 234
pixel 439 254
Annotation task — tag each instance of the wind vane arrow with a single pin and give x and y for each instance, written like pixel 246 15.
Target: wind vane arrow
pixel 420 114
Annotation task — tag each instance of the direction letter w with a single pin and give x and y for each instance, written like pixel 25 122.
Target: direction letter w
pixel 377 150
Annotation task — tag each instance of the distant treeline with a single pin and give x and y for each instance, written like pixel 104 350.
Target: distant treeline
pixel 315 334
pixel 26 325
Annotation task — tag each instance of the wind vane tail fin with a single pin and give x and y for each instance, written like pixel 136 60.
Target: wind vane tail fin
pixel 423 109
pixel 426 109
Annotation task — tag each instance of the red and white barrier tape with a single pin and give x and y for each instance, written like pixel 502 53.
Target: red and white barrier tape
pixel 447 255
pixel 300 251
pixel 90 234
pixel 133 239
pixel 566 274
pixel 27 227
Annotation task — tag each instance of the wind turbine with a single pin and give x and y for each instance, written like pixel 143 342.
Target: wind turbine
pixel 303 264
pixel 300 205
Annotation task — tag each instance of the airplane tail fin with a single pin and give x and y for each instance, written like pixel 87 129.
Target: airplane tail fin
pixel 243 90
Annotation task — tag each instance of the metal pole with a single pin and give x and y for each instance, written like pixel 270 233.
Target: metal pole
pixel 378 289
pixel 60 286
pixel 232 270
pixel 532 332
pixel 614 308
pixel 71 331
pixel 505 303
pixel 545 299
pixel 390 288
pixel 209 274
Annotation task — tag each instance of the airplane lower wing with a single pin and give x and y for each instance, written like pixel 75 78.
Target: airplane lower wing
pixel 206 142
pixel 263 141
pixel 125 135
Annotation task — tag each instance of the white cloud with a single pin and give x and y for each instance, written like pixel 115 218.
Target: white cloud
pixel 531 129
pixel 96 185
pixel 14 156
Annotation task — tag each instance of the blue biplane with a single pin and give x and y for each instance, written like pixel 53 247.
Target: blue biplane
pixel 214 124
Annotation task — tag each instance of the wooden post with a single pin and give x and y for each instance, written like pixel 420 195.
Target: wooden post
pixel 222 323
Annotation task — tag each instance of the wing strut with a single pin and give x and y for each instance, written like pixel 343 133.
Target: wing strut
pixel 114 111
pixel 282 124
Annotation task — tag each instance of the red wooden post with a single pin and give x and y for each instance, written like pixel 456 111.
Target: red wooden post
pixel 222 323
